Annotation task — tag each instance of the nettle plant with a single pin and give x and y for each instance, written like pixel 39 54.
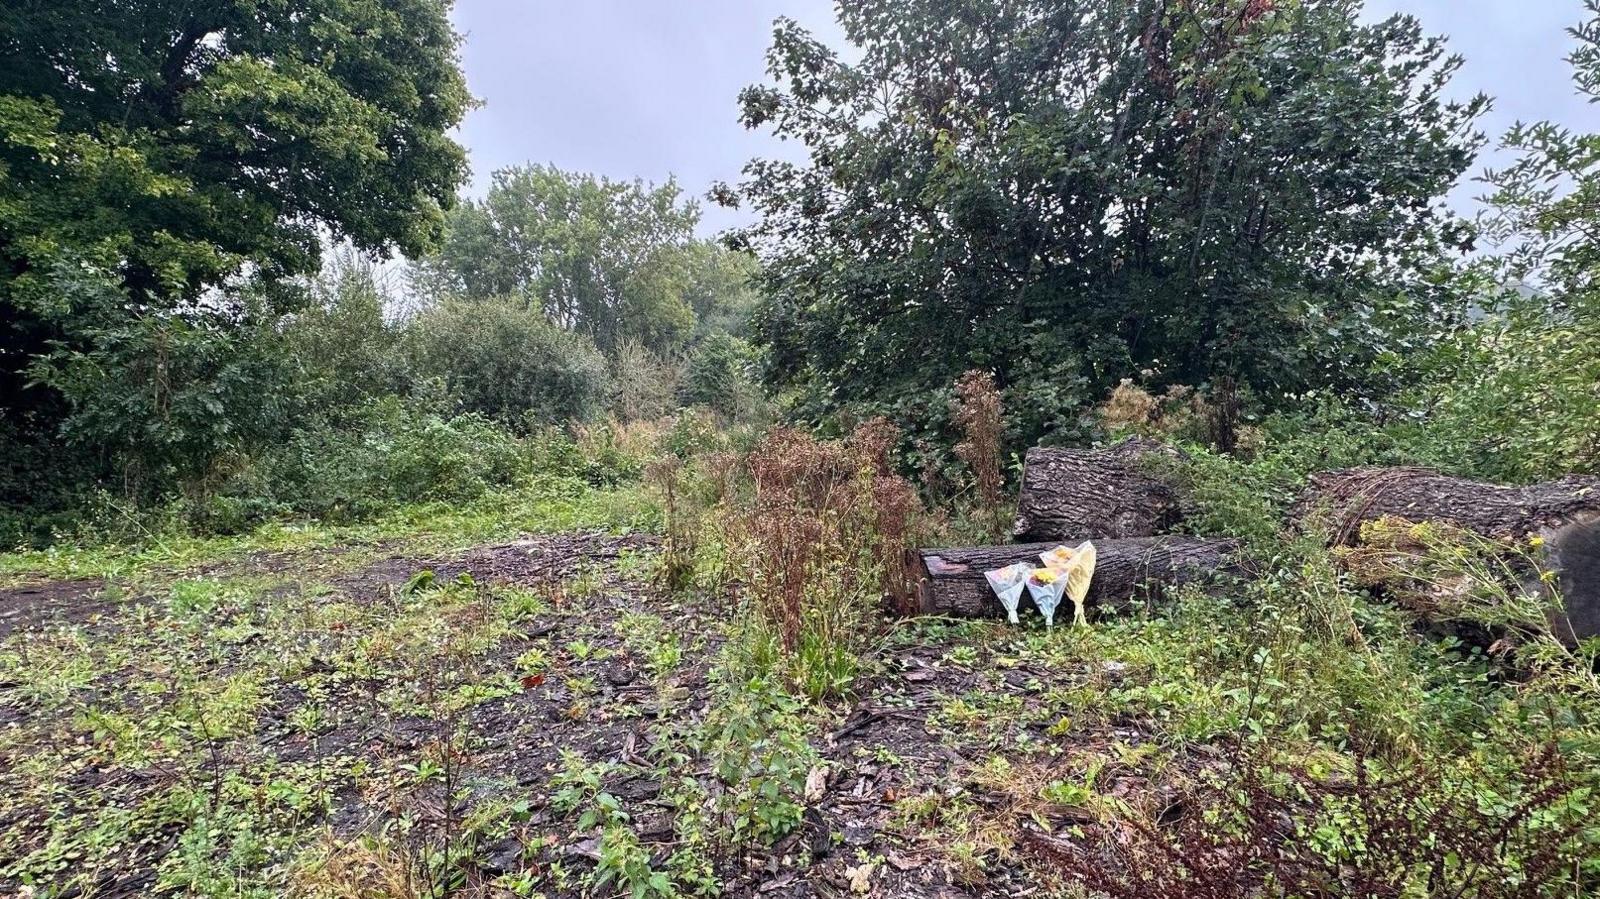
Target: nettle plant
pixel 580 786
pixel 755 743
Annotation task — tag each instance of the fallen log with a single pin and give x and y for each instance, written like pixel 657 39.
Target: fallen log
pixel 950 581
pixel 1342 500
pixel 1078 494
pixel 1563 516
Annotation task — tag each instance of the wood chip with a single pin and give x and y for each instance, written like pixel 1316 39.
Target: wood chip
pixel 816 783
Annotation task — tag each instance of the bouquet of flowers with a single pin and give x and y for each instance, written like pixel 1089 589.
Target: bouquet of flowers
pixel 1045 586
pixel 1066 572
pixel 1072 569
pixel 1007 584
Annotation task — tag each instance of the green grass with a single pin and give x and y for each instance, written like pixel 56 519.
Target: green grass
pixel 551 505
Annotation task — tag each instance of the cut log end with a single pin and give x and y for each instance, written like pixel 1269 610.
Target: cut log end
pixel 1573 554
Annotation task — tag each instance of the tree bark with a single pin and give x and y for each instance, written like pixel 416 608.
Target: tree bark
pixel 1342 500
pixel 1564 515
pixel 1074 494
pixel 951 582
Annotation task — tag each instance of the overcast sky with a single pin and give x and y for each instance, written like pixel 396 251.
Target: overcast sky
pixel 646 88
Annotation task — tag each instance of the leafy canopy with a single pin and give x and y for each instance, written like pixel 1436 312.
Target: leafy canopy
pixel 613 261
pixel 165 145
pixel 1517 396
pixel 154 155
pixel 1070 192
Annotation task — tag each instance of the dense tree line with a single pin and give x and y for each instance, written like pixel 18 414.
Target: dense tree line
pixel 169 167
pixel 616 265
pixel 1236 197
pixel 172 173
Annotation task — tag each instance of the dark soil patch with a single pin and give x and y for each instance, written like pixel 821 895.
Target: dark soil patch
pixel 530 561
pixel 47 603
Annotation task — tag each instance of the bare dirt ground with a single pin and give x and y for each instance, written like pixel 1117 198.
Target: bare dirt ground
pixel 304 697
pixel 46 603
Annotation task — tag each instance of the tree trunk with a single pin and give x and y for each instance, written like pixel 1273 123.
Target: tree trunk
pixel 1072 494
pixel 1341 500
pixel 951 582
pixel 1563 514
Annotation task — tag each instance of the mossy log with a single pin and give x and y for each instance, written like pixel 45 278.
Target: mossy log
pixel 950 581
pixel 1564 515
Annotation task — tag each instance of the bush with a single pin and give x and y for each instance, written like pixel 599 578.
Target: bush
pixel 342 351
pixel 817 537
pixel 1260 827
pixel 387 453
pixel 167 402
pixel 1520 400
pixel 455 460
pixel 596 454
pixel 42 485
pixel 503 359
pixel 717 375
pixel 755 744
pixel 644 385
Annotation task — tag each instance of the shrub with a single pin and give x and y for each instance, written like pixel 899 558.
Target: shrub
pixel 1181 413
pixel 1519 400
pixel 343 351
pixel 692 481
pixel 696 432
pixel 644 385
pixel 385 453
pixel 454 460
pixel 676 570
pixel 165 402
pixel 503 359
pixel 42 487
pixel 717 376
pixel 817 541
pixel 1260 827
pixel 608 459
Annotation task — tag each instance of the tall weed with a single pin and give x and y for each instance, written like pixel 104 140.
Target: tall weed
pixel 980 415
pixel 816 537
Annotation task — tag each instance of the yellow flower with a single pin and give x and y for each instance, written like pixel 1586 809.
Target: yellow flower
pixel 1043 575
pixel 1058 557
pixel 1536 542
